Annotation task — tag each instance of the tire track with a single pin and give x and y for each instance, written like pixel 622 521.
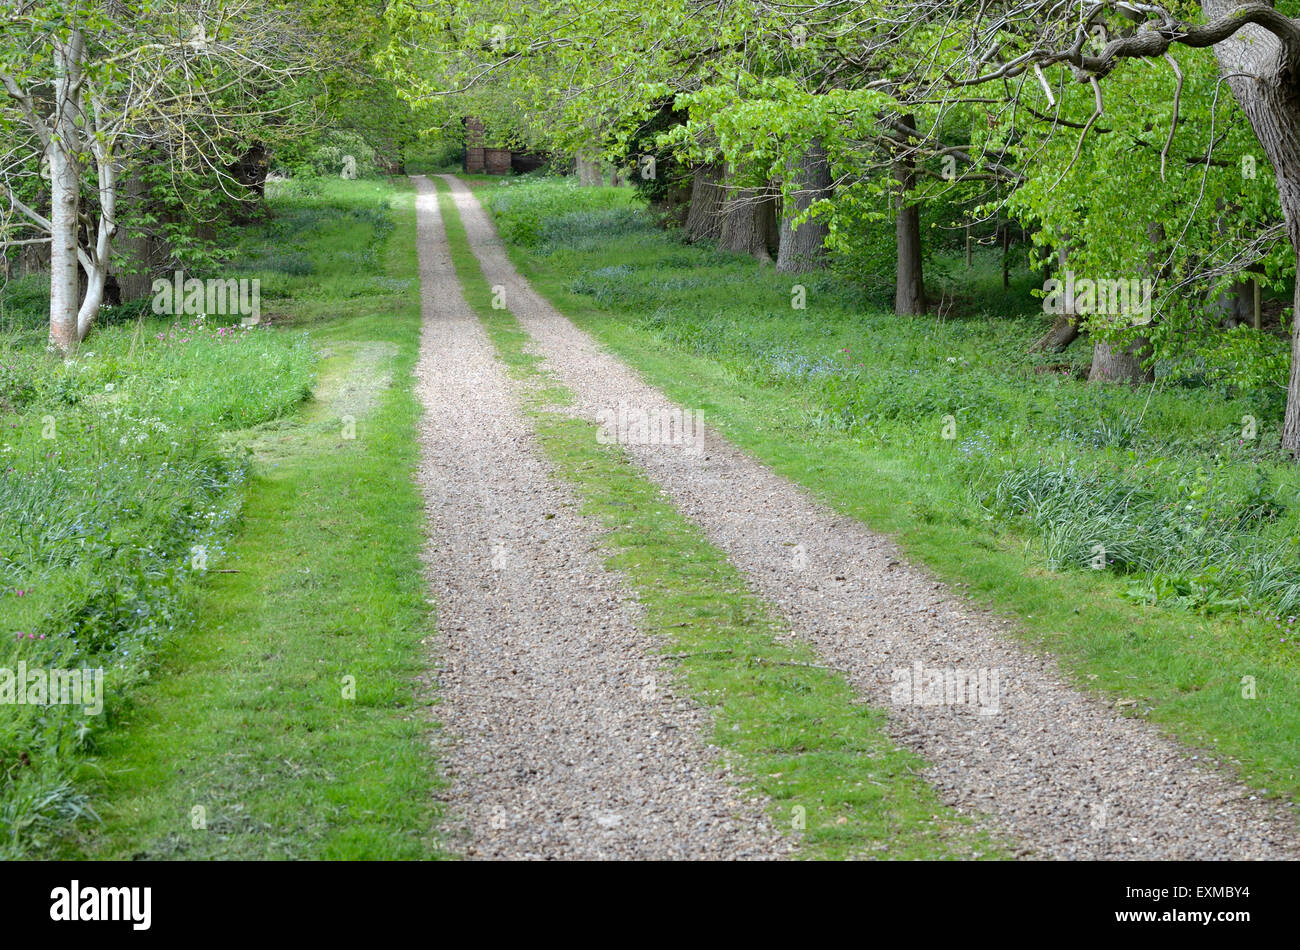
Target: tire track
pixel 556 748
pixel 1053 767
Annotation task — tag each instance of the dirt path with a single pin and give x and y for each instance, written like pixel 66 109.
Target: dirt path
pixel 1060 771
pixel 555 747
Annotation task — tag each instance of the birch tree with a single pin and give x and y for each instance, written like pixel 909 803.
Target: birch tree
pixel 91 84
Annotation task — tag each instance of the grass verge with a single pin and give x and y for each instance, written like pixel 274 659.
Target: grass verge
pixel 288 720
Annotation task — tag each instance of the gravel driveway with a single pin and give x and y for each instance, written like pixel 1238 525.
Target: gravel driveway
pixel 563 737
pixel 1060 771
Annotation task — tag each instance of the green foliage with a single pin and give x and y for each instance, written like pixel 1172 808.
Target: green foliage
pixel 1163 477
pixel 1243 360
pixel 1124 210
pixel 325 155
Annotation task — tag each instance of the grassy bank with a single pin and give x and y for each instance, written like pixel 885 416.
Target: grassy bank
pixel 275 713
pixel 1003 475
pixel 791 729
pixel 116 494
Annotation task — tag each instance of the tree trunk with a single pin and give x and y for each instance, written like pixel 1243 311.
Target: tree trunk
pixel 1264 75
pixel 588 170
pixel 749 223
pixel 250 170
pixel 71 314
pixel 1112 363
pixel 1006 255
pixel 1064 331
pixel 704 220
pixel 803 248
pixel 909 292
pixel 65 194
pixel 33 259
pixel 1066 328
pixel 135 249
pixel 1291 425
pixel 1235 305
pixel 100 259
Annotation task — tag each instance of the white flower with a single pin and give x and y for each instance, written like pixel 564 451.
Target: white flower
pixel 108 387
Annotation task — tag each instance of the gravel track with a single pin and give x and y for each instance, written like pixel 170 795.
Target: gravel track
pixel 563 741
pixel 1060 771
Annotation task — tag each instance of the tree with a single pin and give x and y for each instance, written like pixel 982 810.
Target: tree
pixel 91 86
pixel 802 244
pixel 909 294
pixel 1008 47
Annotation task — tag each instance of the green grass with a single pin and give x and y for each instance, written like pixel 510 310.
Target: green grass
pixel 850 401
pixel 793 729
pixel 282 715
pixel 114 487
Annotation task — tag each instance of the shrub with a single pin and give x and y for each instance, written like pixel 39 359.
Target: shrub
pixel 324 156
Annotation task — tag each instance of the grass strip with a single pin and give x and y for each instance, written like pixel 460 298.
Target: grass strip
pixel 288 722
